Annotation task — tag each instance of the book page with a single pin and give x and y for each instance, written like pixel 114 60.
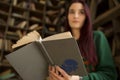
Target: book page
pixel 63 35
pixel 35 36
pixel 30 37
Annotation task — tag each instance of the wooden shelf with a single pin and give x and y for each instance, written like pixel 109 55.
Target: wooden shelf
pixel 3 14
pixel 16 16
pixel 34 13
pixel 13 28
pixel 4 3
pixel 2 26
pixel 18 9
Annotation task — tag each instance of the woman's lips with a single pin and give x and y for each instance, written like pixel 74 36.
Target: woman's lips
pixel 75 21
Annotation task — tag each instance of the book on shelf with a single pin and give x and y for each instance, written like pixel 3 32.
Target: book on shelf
pixel 56 20
pixel 2 22
pixel 35 27
pixel 23 4
pixel 6 1
pixel 32 6
pixel 20 33
pixel 3 12
pixel 12 35
pixel 17 15
pixel 7 45
pixel 62 11
pixel 48 21
pixel 33 54
pixel 52 20
pixel 51 29
pixel 42 2
pixel 56 4
pixel 14 2
pixel 21 24
pixel 11 21
pixel 52 12
pixel 35 18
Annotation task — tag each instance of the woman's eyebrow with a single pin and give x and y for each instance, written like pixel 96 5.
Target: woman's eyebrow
pixel 81 9
pixel 78 9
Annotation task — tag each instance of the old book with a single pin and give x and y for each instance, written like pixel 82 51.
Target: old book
pixel 31 60
pixel 23 4
pixel 15 2
pixel 34 26
pixel 32 6
pixel 11 21
pixel 12 35
pixel 22 24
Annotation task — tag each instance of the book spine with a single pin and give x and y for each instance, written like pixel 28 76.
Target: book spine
pixel 45 53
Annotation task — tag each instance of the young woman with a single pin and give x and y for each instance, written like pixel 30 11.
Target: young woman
pixel 93 46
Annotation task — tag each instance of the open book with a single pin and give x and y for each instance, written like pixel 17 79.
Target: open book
pixel 31 60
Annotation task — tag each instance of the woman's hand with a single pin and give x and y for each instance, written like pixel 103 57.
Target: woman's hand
pixel 56 73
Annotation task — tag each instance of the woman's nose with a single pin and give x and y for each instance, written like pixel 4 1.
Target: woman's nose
pixel 76 15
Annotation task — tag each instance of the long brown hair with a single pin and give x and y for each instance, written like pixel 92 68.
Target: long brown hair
pixel 86 42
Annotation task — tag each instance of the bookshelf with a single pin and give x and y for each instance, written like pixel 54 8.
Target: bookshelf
pixel 18 17
pixel 55 16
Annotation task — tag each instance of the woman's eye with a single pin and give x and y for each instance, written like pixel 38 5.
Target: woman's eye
pixel 71 12
pixel 82 12
pixel 78 12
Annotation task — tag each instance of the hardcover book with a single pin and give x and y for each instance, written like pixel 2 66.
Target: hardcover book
pixel 34 55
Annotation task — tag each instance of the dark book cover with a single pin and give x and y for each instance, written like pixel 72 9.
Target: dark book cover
pixel 31 61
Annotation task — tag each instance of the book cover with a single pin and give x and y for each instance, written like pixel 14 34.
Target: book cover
pixel 31 61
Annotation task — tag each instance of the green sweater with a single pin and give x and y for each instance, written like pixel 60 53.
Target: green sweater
pixel 105 70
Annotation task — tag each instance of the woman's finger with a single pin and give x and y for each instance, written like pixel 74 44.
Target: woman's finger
pixel 51 76
pixel 50 67
pixel 62 72
pixel 53 69
pixel 56 71
pixel 55 76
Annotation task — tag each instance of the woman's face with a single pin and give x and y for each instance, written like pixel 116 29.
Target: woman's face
pixel 76 16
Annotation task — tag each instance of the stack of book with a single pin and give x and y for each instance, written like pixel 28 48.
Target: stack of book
pixel 54 14
pixel 7 45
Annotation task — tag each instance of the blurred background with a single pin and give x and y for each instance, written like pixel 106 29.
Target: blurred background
pixel 18 17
